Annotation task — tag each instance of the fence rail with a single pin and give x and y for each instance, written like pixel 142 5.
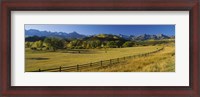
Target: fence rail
pixel 98 64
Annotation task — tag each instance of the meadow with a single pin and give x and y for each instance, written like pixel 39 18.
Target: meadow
pixel 162 61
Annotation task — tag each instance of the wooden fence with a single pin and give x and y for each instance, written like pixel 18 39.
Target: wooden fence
pixel 98 64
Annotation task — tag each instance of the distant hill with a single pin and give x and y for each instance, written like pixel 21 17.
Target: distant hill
pixel 148 37
pixel 34 32
pixel 104 37
pixel 127 37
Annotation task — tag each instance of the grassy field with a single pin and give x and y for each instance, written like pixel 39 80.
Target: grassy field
pixel 163 61
pixel 45 60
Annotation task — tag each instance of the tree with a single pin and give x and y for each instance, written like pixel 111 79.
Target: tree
pixel 93 44
pixel 66 43
pixel 78 44
pixel 128 44
pixel 98 44
pixel 112 44
pixel 39 44
pixel 119 43
pixel 84 44
pixel 88 45
pixel 28 44
pixel 73 44
pixel 34 38
pixel 60 44
pixel 69 45
pixel 54 43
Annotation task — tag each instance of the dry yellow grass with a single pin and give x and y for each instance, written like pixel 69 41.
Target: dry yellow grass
pixel 46 60
pixel 163 61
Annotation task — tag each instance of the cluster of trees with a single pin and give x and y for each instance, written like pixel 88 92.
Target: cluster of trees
pixel 52 43
pixel 48 43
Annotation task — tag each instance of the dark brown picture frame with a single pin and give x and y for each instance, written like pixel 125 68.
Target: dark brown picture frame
pixel 193 90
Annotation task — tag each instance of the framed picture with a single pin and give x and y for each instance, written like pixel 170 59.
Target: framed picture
pixel 138 48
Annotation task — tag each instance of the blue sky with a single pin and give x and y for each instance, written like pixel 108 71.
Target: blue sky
pixel 106 29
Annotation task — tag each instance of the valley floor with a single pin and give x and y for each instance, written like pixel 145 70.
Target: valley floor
pixel 163 61
pixel 35 60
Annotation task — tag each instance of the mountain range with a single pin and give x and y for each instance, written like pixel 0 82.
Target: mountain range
pixel 34 32
pixel 75 35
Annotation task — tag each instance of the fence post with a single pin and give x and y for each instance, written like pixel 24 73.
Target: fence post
pixel 101 63
pixel 90 64
pixel 60 68
pixel 39 70
pixel 77 67
pixel 110 61
pixel 124 58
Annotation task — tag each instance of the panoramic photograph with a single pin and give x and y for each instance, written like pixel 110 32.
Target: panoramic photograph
pixel 99 48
